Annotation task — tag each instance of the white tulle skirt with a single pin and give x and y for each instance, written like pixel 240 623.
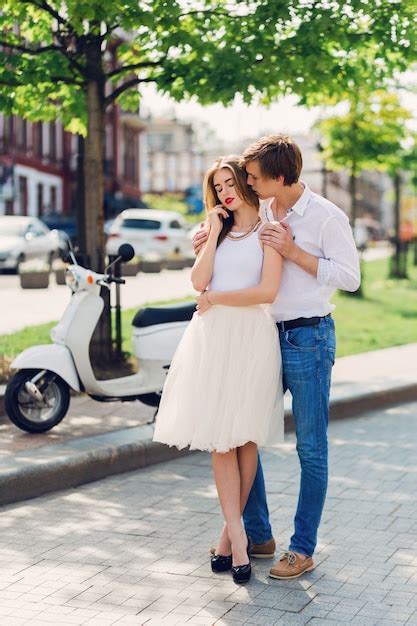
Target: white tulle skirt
pixel 224 385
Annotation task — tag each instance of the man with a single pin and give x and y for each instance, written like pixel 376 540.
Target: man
pixel 315 239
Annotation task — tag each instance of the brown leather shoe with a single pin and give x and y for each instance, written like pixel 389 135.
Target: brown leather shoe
pixel 291 566
pixel 259 550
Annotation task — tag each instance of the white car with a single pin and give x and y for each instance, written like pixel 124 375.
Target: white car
pixel 154 235
pixel 24 238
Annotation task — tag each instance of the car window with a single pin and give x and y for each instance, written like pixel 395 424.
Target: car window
pixel 175 224
pixel 141 224
pixel 36 229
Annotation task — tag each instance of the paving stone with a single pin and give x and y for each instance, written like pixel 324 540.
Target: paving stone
pixel 132 549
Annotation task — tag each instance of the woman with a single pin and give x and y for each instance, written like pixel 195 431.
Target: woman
pixel 223 392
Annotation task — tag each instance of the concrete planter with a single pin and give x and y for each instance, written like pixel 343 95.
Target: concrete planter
pixel 129 269
pixel 34 280
pixel 60 276
pixel 175 264
pixel 151 267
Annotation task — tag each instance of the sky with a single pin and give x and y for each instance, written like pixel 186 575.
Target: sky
pixel 237 120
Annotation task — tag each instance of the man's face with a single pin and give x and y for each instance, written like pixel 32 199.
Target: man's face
pixel 262 186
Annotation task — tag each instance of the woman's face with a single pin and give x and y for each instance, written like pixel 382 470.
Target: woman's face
pixel 224 184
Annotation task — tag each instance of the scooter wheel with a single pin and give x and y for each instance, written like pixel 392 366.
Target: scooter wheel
pixel 29 414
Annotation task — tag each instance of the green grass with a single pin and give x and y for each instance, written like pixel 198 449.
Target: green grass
pixel 386 316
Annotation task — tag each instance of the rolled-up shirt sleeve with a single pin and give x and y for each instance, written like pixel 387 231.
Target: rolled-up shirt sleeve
pixel 340 266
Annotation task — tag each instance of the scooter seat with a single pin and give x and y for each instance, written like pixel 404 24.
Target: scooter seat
pixel 150 316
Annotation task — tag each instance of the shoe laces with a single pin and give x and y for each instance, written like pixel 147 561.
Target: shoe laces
pixel 290 556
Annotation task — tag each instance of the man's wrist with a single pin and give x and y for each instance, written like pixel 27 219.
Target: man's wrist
pixel 295 254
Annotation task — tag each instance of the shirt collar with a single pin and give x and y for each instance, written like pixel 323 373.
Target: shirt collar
pixel 300 206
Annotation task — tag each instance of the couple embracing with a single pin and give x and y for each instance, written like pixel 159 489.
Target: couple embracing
pixel 269 258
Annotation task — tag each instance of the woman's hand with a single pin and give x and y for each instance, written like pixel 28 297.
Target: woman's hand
pixel 215 218
pixel 203 303
pixel 200 238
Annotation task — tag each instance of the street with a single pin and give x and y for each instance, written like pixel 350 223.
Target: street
pixel 133 549
pixel 29 307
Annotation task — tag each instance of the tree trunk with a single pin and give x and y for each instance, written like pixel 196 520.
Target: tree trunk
pixel 94 193
pixel 353 215
pixel 353 198
pixel 398 264
pixel 80 192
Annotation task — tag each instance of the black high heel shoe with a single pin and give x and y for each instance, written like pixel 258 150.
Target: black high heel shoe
pixel 220 563
pixel 242 573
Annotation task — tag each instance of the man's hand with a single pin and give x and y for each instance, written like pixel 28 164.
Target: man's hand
pixel 279 236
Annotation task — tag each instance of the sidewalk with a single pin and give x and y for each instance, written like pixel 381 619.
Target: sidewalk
pixel 133 549
pixel 97 440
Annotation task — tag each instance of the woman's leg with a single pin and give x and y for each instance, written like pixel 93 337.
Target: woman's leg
pixel 247 456
pixel 234 472
pixel 227 477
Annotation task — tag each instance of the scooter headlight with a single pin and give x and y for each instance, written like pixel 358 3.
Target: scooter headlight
pixel 72 280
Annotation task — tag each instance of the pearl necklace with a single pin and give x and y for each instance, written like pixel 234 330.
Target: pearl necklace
pixel 244 235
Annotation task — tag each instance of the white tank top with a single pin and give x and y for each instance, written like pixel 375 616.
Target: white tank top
pixel 237 264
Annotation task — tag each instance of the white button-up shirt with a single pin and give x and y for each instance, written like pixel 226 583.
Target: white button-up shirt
pixel 322 229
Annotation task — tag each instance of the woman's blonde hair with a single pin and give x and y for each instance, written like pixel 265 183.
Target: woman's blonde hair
pixel 231 162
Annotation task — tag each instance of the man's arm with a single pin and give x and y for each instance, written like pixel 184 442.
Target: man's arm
pixel 340 266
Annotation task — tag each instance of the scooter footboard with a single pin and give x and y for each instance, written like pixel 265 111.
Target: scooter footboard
pixel 52 357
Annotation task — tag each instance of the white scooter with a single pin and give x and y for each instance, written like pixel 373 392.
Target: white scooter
pixel 38 395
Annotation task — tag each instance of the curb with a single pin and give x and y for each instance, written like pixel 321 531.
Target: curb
pixel 56 467
pixel 80 461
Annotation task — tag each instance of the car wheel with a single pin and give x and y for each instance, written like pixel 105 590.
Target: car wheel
pixel 20 259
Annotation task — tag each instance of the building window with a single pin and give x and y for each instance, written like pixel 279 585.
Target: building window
pixel 21 134
pixel 37 140
pixel 130 157
pixel 52 141
pixel 23 195
pixel 52 200
pixel 7 134
pixel 39 193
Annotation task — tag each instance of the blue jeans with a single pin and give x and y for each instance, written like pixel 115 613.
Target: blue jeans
pixel 307 357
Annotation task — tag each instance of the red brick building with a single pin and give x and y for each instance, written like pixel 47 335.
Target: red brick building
pixel 38 164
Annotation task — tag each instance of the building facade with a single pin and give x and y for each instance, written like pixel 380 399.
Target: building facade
pixel 38 165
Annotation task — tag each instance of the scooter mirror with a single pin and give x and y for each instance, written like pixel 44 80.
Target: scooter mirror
pixel 126 252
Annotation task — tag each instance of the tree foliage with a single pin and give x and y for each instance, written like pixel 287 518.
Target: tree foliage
pixel 369 136
pixel 207 49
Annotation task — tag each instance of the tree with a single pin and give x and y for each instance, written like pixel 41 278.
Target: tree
pixel 369 136
pixel 405 161
pixel 73 59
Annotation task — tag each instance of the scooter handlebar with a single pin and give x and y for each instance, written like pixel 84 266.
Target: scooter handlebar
pixel 105 282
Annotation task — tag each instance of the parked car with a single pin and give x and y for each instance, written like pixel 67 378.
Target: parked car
pixel 154 235
pixel 24 238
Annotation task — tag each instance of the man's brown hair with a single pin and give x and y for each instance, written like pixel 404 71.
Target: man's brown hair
pixel 277 155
